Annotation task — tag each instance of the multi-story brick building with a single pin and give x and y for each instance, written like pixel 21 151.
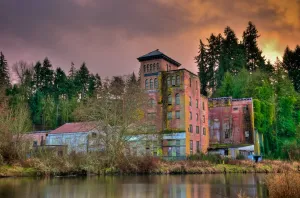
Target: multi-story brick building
pixel 231 125
pixel 176 108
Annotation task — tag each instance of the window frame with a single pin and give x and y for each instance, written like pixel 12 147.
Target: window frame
pixel 177 80
pixel 176 114
pixel 169 99
pixel 151 83
pixel 173 80
pixel 168 115
pixel 146 84
pixel 177 99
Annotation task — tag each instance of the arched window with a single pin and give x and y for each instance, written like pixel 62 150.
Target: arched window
pixel 144 68
pixel 177 99
pixel 146 84
pixel 178 80
pixel 148 68
pixel 170 99
pixel 151 102
pixel 155 83
pixel 197 103
pixel 169 81
pixel 197 116
pixel 191 116
pixel 190 102
pixel 151 84
pixel 154 67
pixel 173 80
pixel 157 66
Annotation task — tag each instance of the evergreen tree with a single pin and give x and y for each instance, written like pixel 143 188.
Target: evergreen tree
pixel 203 68
pixel 213 60
pixel 291 63
pixel 232 58
pixel 82 79
pixel 37 76
pixel 47 76
pixel 60 83
pixel 72 71
pixel 254 56
pixel 4 72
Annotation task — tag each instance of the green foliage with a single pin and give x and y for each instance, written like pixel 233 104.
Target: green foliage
pixel 212 158
pixel 4 72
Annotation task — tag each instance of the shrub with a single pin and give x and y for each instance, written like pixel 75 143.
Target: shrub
pixel 240 157
pixel 284 185
pixel 213 158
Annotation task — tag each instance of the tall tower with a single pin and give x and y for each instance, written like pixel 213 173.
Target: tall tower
pixel 174 103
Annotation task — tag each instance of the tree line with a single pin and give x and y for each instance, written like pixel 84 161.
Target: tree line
pixel 50 95
pixel 229 67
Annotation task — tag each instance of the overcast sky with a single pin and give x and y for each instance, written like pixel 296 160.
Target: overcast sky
pixel 110 34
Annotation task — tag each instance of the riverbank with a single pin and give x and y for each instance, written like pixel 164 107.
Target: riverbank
pixel 35 167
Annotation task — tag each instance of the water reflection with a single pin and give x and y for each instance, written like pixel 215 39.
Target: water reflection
pixel 152 186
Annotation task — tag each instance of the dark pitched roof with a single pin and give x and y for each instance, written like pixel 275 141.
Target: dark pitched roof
pixel 156 54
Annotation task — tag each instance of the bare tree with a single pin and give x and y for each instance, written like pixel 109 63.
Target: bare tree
pixel 22 70
pixel 119 114
pixel 14 123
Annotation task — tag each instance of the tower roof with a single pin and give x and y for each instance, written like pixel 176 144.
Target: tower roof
pixel 156 54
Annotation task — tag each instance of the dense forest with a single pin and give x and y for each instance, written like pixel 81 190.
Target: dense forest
pixel 229 67
pixel 50 95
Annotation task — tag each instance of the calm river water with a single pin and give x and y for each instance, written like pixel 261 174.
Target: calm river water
pixel 217 185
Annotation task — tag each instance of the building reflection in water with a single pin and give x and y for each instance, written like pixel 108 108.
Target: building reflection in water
pixel 153 186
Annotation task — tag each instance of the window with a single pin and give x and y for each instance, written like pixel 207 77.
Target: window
pixel 148 68
pixel 198 146
pixel 191 116
pixel 177 114
pixel 204 131
pixel 197 129
pixel 178 80
pixel 197 103
pixel 146 84
pixel 191 147
pixel 203 117
pixel 151 84
pixel 190 82
pixel 177 142
pixel 190 102
pixel 157 66
pixel 167 67
pixel 203 106
pixel 154 69
pixel 170 99
pixel 144 68
pixel 173 80
pixel 170 151
pixel 151 102
pixel 177 151
pixel 94 135
pixel 168 82
pixel 191 128
pixel 235 108
pixel 170 115
pixel 155 83
pixel 177 99
pixel 197 116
